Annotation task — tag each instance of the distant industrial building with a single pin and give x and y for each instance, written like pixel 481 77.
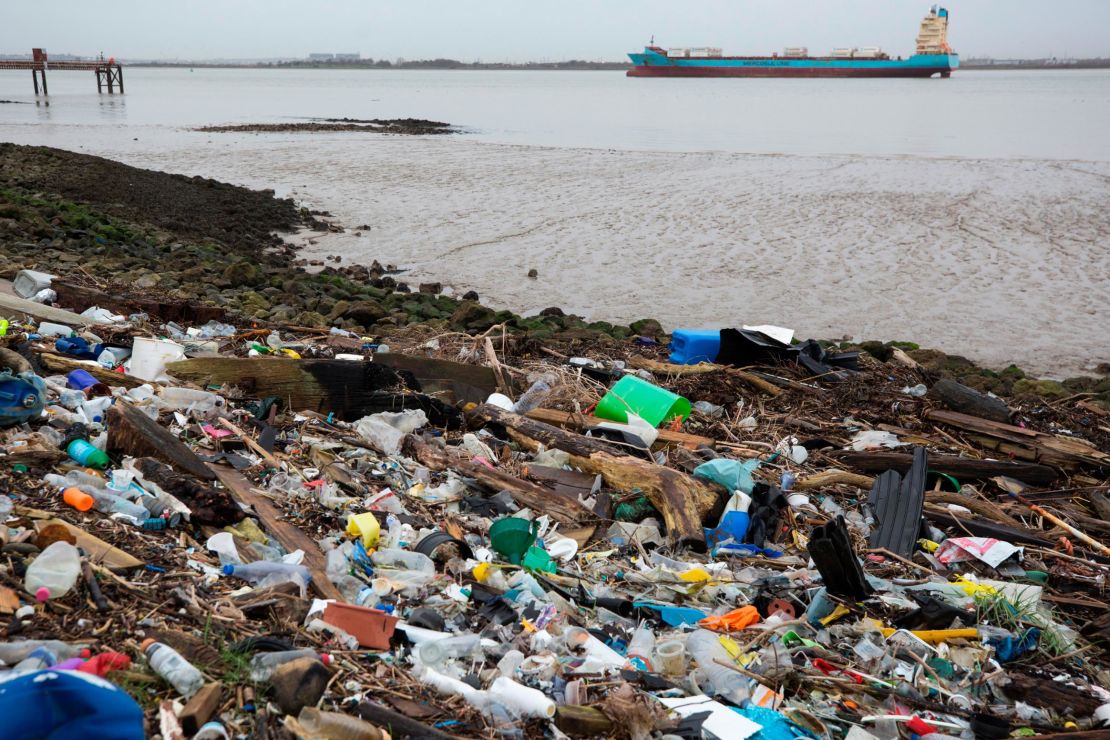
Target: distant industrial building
pixel 334 57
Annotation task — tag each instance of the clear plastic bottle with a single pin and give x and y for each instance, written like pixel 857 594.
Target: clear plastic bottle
pixel 13 652
pixel 196 402
pixel 338 726
pixel 255 572
pixel 640 648
pixel 109 503
pixel 436 653
pixel 705 647
pixel 54 572
pixel 403 560
pixel 263 665
pixel 40 659
pixel 533 397
pixel 178 672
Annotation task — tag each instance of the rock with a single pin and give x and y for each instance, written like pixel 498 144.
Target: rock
pixel 431 288
pixel 471 315
pixel 252 302
pixel 241 273
pixel 533 273
pixel 312 320
pixel 298 684
pixel 472 295
pixel 960 397
pixel 339 309
pixel 552 311
pixel 647 328
pixel 147 281
pixel 366 313
pixel 878 350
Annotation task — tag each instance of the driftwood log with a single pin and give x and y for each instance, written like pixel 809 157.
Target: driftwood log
pixel 348 389
pixel 132 432
pixel 1027 444
pixel 683 501
pixel 61 364
pixel 958 467
pixel 959 397
pixel 561 507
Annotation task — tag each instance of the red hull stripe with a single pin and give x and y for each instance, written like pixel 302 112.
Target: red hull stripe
pixel 649 71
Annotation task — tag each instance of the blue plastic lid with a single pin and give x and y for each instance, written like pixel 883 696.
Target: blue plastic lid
pixel 229 569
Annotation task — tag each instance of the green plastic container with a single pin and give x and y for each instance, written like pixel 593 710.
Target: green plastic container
pixel 512 536
pixel 651 403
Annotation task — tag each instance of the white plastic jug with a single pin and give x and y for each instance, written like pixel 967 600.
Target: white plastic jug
pixel 53 573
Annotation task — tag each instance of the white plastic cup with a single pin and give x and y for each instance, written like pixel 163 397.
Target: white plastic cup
pixel 672 657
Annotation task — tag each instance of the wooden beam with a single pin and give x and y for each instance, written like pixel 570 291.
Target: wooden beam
pixel 290 536
pixel 62 364
pixel 11 303
pixel 560 507
pixel 1067 452
pixel 958 467
pixel 134 433
pixel 578 422
pixel 201 708
pixel 665 368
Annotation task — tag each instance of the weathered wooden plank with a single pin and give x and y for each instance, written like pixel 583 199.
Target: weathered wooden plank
pixel 1067 452
pixel 290 536
pixel 62 364
pixel 132 432
pixel 958 467
pixel 11 306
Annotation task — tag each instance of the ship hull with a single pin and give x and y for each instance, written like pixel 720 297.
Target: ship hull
pixel 651 64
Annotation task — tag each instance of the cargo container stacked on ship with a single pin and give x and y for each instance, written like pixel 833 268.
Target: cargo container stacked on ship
pixel 932 57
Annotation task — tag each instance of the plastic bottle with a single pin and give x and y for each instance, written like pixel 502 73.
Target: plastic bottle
pixel 403 560
pixel 109 503
pixel 437 652
pixel 705 647
pixel 95 409
pixel 78 499
pixel 532 397
pixel 40 659
pixel 87 455
pixel 53 573
pixel 201 403
pixel 640 648
pixel 169 664
pixel 255 572
pixel 338 726
pixel 263 665
pixel 49 329
pixel 13 652
pixel 211 731
pixel 6 506
pixel 577 638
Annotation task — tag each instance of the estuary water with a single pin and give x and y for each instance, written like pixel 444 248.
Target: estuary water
pixel 970 214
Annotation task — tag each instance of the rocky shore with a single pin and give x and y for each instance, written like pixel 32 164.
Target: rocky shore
pixel 141 233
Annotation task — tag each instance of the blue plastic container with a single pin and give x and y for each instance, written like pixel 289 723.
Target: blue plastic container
pixel 66 704
pixel 691 346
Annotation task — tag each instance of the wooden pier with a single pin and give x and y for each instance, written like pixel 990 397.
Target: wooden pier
pixel 109 73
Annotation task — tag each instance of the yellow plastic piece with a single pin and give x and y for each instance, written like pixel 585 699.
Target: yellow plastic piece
pixel 928 545
pixel 935 637
pixel 695 575
pixel 837 613
pixel 971 588
pixel 366 527
pixel 291 353
pixel 481 572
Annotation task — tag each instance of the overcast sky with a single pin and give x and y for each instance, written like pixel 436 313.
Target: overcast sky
pixel 524 30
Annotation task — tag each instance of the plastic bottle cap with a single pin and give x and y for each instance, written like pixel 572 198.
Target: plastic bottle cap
pixel 229 569
pixel 42 594
pixel 326 658
pixel 145 644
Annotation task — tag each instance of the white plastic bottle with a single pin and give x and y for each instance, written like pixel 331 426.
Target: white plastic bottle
pixel 403 560
pixel 41 659
pixel 263 665
pixel 255 572
pixel 705 647
pixel 168 663
pixel 53 573
pixel 17 650
pixel 201 403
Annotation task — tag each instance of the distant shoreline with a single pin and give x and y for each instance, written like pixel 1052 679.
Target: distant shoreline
pixel 552 66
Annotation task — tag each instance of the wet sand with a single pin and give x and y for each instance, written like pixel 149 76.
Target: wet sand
pixel 1004 261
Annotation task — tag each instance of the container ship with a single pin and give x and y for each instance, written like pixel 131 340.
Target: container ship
pixel 933 57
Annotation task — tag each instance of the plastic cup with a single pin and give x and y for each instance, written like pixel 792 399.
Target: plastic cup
pixel 77 498
pixel 651 403
pixel 672 657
